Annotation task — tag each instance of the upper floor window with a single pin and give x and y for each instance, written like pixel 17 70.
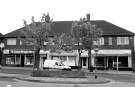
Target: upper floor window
pixel 99 42
pixel 11 41
pixel 45 43
pixel 109 40
pixel 122 40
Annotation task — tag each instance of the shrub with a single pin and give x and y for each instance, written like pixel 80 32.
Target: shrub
pixel 64 74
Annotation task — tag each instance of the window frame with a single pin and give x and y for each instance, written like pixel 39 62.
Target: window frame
pixel 122 40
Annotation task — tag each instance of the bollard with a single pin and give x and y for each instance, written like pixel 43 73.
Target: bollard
pixel 96 76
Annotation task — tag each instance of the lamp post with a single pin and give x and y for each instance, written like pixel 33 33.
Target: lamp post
pixel 96 52
pixel 1 49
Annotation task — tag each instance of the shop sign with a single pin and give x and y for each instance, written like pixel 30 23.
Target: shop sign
pixel 5 51
pixel 17 52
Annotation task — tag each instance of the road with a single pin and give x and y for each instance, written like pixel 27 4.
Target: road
pixel 119 77
pixel 119 81
pixel 12 82
pixel 34 84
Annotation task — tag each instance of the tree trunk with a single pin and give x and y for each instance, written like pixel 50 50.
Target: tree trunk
pixel 37 59
pixel 79 61
pixel 89 61
pixel 79 54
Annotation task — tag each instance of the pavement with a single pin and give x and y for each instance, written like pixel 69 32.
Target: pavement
pixel 88 80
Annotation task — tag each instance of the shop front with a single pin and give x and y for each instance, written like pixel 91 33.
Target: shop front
pixel 18 57
pixel 68 58
pixel 113 62
pixel 109 59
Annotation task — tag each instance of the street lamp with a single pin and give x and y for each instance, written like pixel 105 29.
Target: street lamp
pixel 1 49
pixel 96 52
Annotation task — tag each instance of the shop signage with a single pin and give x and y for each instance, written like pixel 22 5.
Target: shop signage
pixel 17 52
pixel 107 52
pixel 5 51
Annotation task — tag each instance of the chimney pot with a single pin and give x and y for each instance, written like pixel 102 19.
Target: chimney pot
pixel 88 17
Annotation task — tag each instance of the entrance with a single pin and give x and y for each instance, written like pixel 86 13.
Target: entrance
pixel 110 63
pixel 22 60
pixel 84 62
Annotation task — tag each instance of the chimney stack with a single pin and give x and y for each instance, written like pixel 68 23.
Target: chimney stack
pixel 88 17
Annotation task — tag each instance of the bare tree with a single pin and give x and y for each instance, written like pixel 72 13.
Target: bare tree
pixel 36 33
pixel 63 42
pixel 85 33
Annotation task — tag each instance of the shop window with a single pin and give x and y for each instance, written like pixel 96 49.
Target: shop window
pixel 99 61
pixel 55 58
pixel 71 60
pixel 63 58
pixel 10 59
pixel 18 59
pixel 123 61
pixel 29 60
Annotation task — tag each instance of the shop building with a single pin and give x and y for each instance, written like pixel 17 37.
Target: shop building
pixel 116 50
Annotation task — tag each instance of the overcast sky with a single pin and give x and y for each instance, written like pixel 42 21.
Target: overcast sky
pixel 119 12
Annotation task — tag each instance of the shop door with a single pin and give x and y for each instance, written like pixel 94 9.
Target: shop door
pixel 22 60
pixel 84 62
pixel 110 63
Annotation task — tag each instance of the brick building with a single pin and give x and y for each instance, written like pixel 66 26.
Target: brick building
pixel 116 51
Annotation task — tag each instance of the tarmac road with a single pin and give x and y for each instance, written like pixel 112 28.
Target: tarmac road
pixel 33 84
pixel 118 77
pixel 27 71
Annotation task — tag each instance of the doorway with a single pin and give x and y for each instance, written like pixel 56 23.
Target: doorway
pixel 110 63
pixel 84 62
pixel 112 60
pixel 22 60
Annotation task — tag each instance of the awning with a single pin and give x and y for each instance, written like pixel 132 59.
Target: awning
pixel 108 52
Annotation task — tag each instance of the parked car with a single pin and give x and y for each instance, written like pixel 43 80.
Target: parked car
pixel 55 64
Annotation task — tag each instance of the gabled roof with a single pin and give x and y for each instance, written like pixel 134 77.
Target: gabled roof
pixel 65 27
pixel 0 34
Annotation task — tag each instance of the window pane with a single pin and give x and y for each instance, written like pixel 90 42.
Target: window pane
pixel 99 61
pixel 18 59
pixel 63 58
pixel 11 41
pixel 122 40
pixel 71 60
pixel 101 41
pixel 10 59
pixel 55 58
pixel 123 61
pixel 29 60
pixel 110 40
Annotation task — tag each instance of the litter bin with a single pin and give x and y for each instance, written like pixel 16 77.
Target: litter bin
pixel 133 70
pixel 91 68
